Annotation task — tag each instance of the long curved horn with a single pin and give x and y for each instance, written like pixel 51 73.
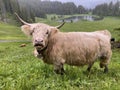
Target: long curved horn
pixel 59 26
pixel 21 19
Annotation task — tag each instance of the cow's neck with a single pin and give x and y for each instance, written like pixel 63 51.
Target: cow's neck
pixel 47 50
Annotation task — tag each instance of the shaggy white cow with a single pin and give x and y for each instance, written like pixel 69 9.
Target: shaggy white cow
pixel 73 48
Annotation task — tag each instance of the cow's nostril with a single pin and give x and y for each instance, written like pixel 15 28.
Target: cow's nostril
pixel 36 41
pixel 41 41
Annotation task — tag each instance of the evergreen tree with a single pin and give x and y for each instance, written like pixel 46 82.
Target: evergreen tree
pixel 81 10
pixel 107 9
pixel 2 11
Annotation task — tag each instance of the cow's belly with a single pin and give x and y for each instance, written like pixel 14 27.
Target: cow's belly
pixel 81 58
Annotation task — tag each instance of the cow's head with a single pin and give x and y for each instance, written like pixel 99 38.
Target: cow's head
pixel 40 32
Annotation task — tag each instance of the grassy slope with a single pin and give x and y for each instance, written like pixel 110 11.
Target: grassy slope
pixel 9 32
pixel 20 70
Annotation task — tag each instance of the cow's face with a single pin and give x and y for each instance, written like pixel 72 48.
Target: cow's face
pixel 40 36
pixel 39 32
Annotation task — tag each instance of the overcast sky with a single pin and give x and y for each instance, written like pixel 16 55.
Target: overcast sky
pixel 87 3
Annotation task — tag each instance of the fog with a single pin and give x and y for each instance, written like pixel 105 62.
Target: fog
pixel 87 3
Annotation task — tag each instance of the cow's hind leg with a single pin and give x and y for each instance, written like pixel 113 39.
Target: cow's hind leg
pixel 104 63
pixel 90 66
pixel 106 69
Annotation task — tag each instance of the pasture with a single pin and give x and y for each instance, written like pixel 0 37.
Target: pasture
pixel 20 70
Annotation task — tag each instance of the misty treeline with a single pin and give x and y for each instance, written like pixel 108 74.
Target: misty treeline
pixel 9 7
pixel 29 9
pixel 111 9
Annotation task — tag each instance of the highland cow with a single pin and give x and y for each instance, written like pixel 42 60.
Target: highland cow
pixel 73 48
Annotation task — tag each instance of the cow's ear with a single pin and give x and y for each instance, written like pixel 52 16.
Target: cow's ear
pixel 53 31
pixel 26 30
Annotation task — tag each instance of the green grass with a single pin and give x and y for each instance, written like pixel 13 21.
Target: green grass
pixel 10 32
pixel 20 70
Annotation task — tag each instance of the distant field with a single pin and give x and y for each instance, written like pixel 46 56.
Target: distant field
pixel 10 32
pixel 108 23
pixel 20 70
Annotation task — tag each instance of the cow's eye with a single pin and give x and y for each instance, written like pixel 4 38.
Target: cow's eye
pixel 47 32
pixel 32 32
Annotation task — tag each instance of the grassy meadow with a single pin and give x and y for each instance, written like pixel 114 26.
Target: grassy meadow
pixel 20 70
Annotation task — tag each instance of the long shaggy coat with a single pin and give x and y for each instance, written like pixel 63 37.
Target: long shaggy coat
pixel 77 48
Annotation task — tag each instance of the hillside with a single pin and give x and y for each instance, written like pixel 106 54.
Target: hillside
pixel 10 32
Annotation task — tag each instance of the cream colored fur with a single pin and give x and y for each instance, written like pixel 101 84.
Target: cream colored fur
pixel 74 48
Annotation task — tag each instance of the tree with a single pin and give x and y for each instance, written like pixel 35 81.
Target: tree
pixel 2 11
pixel 110 6
pixel 107 9
pixel 69 8
pixel 116 9
pixel 81 10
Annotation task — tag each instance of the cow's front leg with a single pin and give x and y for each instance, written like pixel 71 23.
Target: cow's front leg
pixel 37 54
pixel 58 68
